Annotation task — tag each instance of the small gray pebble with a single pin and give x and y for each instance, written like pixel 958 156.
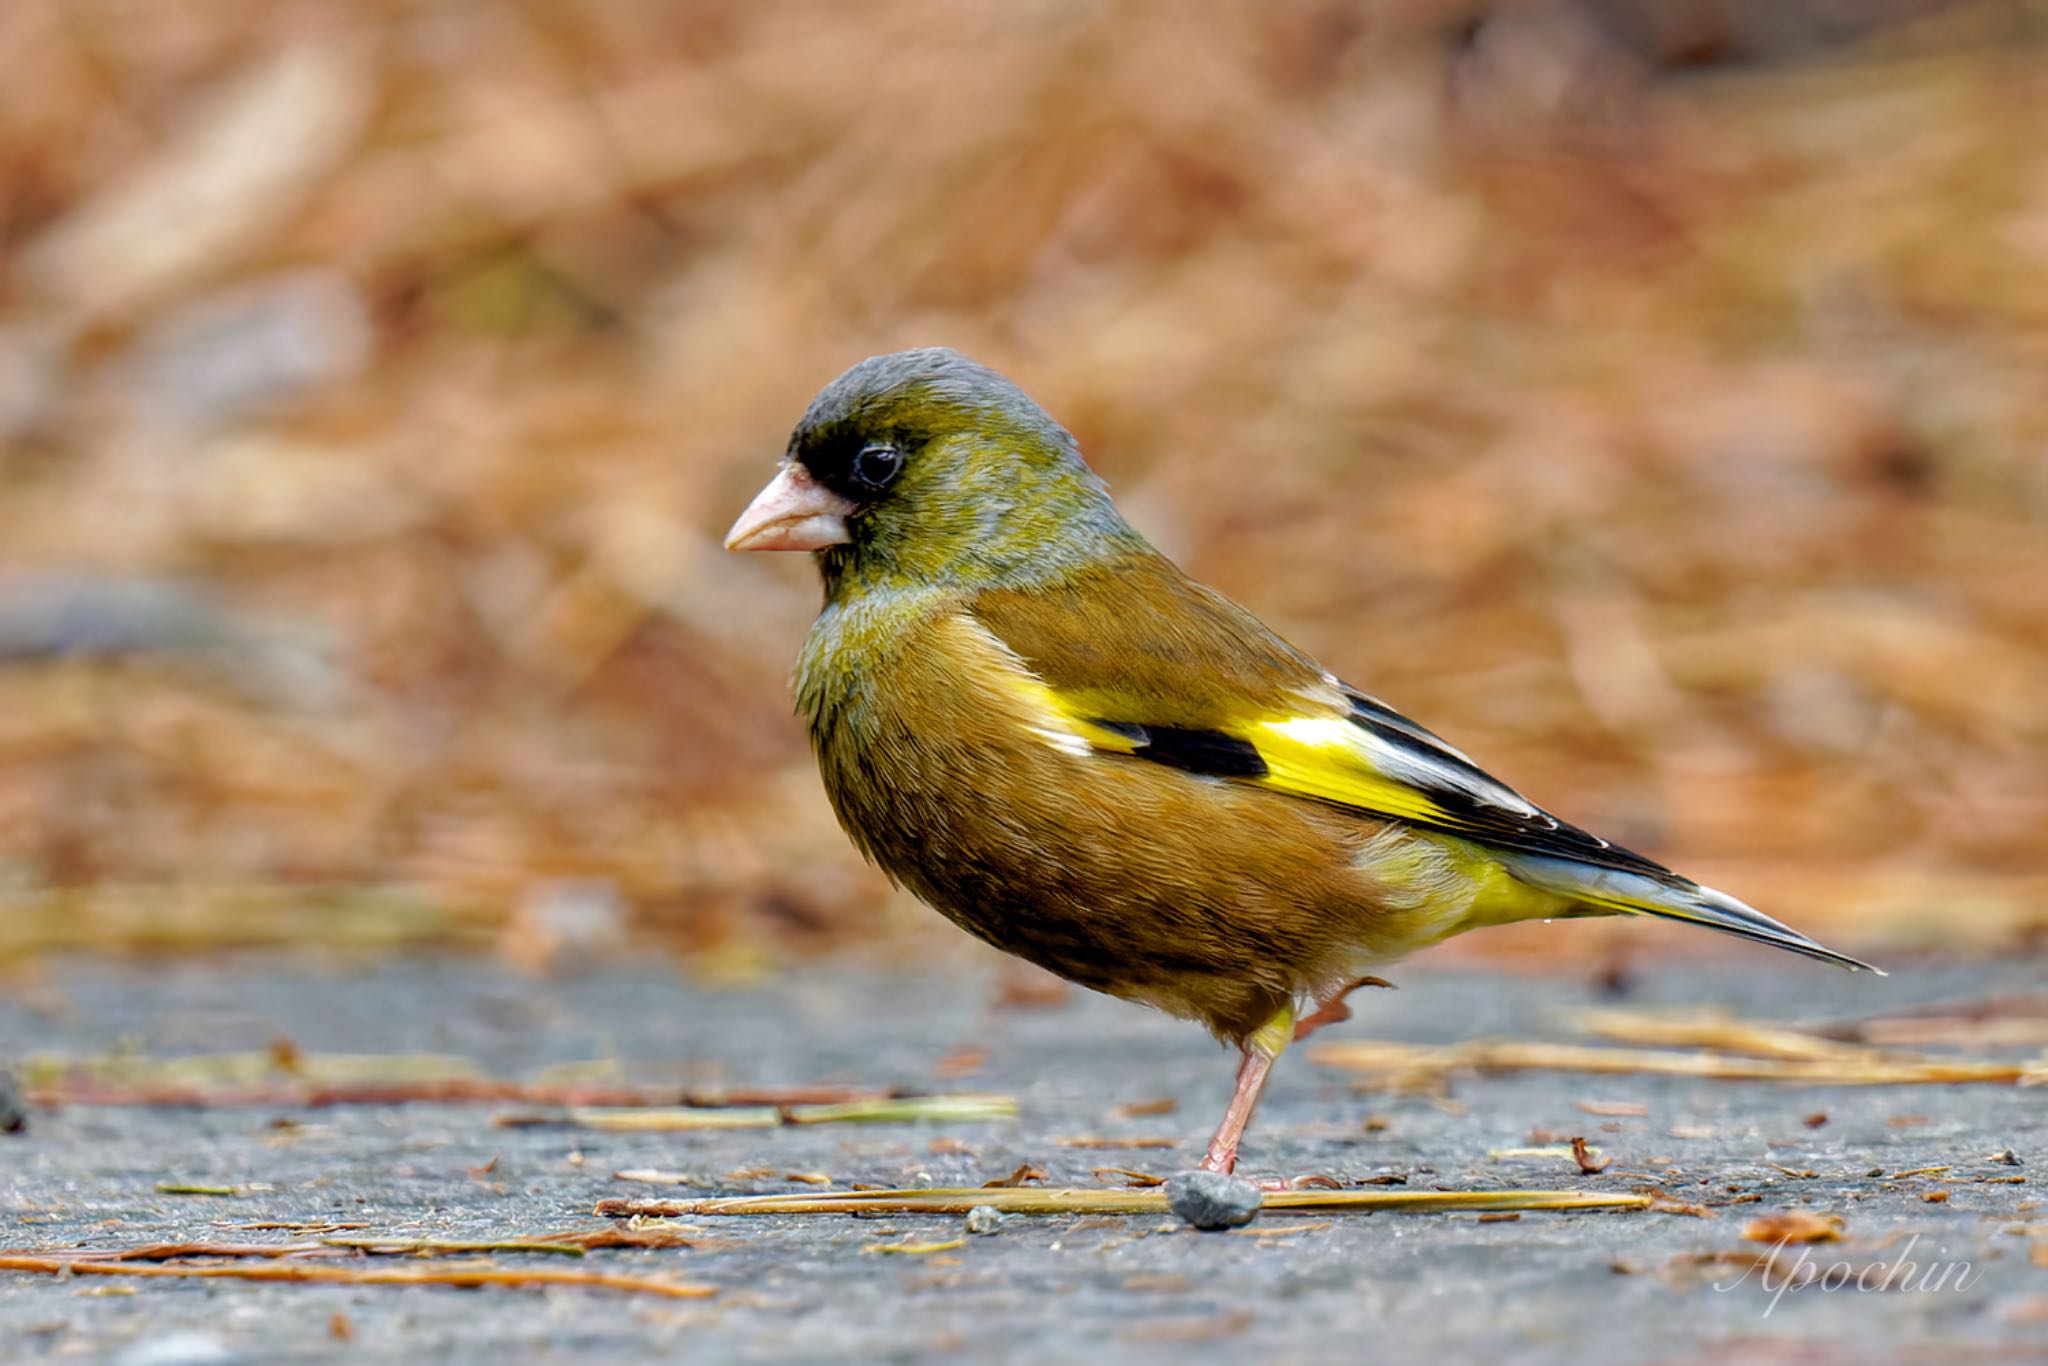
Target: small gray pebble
pixel 1210 1200
pixel 984 1219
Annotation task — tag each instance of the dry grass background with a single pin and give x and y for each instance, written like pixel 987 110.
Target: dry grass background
pixel 1650 398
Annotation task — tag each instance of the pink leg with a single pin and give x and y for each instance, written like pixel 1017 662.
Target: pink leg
pixel 1251 1080
pixel 1331 1009
pixel 1261 1048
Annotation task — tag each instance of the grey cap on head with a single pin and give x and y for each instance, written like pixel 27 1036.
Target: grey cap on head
pixel 948 378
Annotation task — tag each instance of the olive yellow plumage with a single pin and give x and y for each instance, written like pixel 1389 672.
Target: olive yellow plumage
pixel 1030 718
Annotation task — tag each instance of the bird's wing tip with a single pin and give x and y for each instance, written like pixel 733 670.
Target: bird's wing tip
pixel 1814 949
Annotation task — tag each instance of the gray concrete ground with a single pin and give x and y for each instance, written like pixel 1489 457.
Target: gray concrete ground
pixel 1610 1287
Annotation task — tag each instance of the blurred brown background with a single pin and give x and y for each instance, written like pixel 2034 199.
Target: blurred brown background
pixel 1651 397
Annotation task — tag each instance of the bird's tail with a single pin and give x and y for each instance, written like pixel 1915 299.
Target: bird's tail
pixel 1619 891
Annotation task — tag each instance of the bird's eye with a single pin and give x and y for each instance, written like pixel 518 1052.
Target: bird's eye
pixel 876 467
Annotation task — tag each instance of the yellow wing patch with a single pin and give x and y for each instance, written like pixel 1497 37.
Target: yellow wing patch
pixel 1319 756
pixel 1326 757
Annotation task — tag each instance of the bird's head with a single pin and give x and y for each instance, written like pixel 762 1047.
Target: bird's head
pixel 923 467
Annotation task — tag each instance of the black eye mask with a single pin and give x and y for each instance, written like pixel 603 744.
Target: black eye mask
pixel 855 468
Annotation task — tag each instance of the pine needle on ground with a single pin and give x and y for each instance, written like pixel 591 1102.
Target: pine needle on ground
pixel 1071 1200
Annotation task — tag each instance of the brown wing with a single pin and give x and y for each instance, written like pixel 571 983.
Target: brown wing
pixel 1140 641
pixel 1180 675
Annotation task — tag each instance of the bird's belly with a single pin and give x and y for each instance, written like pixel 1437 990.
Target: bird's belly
pixel 1211 899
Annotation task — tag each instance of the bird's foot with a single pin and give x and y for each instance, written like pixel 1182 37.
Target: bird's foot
pixel 1221 1157
pixel 1331 1009
pixel 1222 1161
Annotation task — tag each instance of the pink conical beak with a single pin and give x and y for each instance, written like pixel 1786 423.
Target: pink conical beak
pixel 795 512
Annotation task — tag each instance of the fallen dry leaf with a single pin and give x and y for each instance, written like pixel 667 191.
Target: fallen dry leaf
pixel 1208 1329
pixel 1617 1108
pixel 1794 1226
pixel 1665 1203
pixel 915 1249
pixel 1590 1163
pixel 1158 1284
pixel 1023 1174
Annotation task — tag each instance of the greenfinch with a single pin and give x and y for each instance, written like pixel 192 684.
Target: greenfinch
pixel 1034 721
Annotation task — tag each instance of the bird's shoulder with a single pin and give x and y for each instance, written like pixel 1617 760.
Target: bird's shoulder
pixel 1133 638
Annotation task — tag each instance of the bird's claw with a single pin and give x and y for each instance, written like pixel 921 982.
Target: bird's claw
pixel 1332 1009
